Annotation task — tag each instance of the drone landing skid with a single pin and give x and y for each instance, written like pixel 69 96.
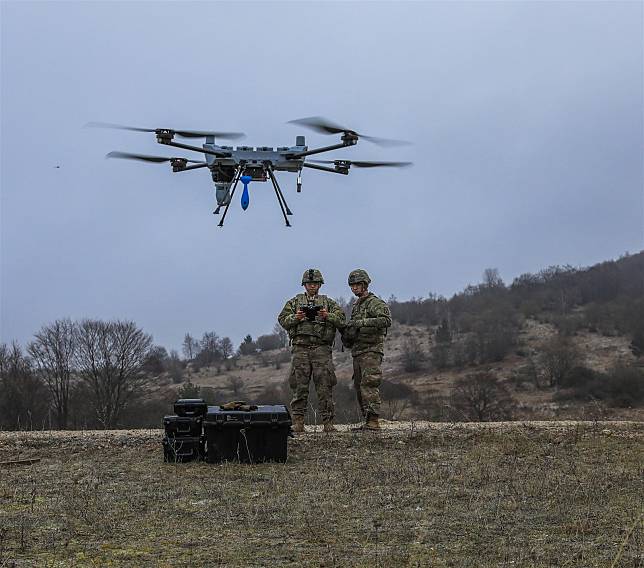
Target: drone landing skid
pixel 232 194
pixel 245 200
pixel 280 196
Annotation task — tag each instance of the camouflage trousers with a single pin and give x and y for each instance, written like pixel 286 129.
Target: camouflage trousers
pixel 312 362
pixel 367 376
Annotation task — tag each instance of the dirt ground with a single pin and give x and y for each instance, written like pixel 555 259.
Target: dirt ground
pixel 417 494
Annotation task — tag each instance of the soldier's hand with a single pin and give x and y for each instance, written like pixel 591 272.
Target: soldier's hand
pixel 323 313
pixel 300 315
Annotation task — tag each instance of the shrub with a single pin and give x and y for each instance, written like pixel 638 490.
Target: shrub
pixel 413 356
pixel 480 397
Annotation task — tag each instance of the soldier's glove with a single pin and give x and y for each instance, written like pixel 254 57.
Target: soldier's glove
pixel 349 335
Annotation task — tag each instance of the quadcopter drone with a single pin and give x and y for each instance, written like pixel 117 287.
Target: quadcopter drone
pixel 228 166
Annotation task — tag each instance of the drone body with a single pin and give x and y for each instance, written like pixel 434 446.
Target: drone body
pixel 229 165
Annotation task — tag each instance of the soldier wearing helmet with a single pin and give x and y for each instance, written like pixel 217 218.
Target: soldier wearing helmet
pixel 365 335
pixel 311 320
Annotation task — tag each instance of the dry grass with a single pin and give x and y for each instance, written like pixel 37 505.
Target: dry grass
pixel 515 495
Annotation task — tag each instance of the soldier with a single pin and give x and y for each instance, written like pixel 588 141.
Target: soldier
pixel 365 335
pixel 311 320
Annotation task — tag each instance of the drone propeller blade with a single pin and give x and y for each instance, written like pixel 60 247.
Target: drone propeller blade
pixel 146 158
pixel 118 126
pixel 326 126
pixel 364 164
pixel 182 133
pixel 321 125
pixel 380 164
pixel 385 142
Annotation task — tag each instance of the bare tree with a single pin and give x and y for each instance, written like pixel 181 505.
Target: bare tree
pixel 413 355
pixel 23 397
pixel 281 333
pixel 269 342
pixel 480 397
pixel 559 356
pixel 110 359
pixel 209 349
pixel 53 352
pixel 175 367
pixel 190 345
pixel 227 347
pixel 492 278
pixel 236 386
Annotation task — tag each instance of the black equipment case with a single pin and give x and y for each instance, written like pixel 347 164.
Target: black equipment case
pixel 182 426
pixel 183 449
pixel 190 407
pixel 247 436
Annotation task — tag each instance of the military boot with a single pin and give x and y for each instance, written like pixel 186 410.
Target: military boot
pixel 372 422
pixel 329 427
pixel 298 424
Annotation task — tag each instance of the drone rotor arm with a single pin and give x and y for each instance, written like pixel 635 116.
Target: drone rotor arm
pixel 193 167
pixel 153 159
pixel 195 148
pixel 344 171
pixel 362 164
pixel 203 134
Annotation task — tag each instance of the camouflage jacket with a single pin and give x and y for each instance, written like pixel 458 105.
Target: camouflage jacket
pixel 371 316
pixel 318 332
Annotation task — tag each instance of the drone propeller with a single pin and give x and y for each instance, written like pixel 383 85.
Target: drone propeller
pixel 182 133
pixel 363 164
pixel 146 158
pixel 326 126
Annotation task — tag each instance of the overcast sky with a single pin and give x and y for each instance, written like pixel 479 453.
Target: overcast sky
pixel 526 120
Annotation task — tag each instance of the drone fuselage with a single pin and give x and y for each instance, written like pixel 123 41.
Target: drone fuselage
pixel 255 162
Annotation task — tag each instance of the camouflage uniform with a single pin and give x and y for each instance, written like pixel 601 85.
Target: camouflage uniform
pixel 311 343
pixel 370 317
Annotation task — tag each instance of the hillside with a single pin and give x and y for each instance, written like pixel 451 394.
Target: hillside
pixel 256 377
pixel 422 494
pixel 561 343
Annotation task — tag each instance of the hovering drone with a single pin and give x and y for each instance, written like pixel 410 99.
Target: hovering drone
pixel 228 166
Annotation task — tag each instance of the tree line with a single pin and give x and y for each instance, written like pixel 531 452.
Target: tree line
pixel 87 374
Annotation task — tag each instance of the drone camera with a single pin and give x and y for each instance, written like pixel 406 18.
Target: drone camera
pixel 256 173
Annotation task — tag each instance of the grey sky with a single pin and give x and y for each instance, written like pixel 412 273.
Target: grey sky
pixel 526 119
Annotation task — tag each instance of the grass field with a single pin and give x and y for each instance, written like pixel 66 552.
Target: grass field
pixel 463 495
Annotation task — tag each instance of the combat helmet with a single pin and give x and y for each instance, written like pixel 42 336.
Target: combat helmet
pixel 312 275
pixel 359 275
